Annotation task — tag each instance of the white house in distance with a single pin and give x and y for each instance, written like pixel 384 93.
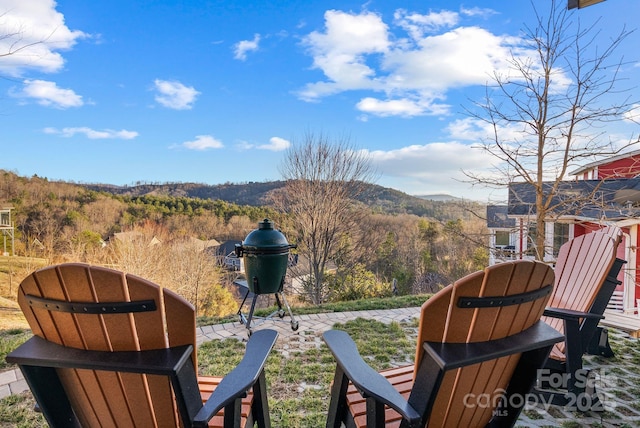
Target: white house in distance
pixel 7 228
pixel 615 184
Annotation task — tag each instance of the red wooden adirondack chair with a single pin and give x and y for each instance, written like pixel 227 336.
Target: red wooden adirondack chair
pixel 479 339
pixel 586 276
pixel 111 349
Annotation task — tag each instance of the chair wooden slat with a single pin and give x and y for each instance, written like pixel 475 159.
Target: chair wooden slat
pixel 181 321
pixel 207 384
pixel 88 408
pixel 460 323
pixel 150 326
pixel 54 325
pixel 437 307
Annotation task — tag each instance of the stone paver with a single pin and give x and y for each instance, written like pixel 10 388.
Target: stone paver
pixel 619 379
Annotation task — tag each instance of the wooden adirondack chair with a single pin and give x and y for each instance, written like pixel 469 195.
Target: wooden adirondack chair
pixel 480 340
pixel 586 276
pixel 115 350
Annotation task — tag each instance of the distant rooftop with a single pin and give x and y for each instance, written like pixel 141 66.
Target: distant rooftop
pixel 611 198
pixel 497 217
pixel 592 165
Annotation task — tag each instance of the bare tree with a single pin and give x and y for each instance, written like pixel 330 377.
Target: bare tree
pixel 182 265
pixel 192 273
pixel 323 179
pixel 141 251
pixel 547 112
pixel 13 39
pixel 14 43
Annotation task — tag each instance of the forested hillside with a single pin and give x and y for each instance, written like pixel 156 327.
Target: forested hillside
pixel 160 231
pixel 377 198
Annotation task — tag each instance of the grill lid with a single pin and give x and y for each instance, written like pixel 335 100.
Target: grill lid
pixel 264 240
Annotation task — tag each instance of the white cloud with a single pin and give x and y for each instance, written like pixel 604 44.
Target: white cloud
pixel 241 48
pixel 400 107
pixel 203 142
pixel 477 11
pixel 49 94
pixel 633 115
pixel 34 33
pixel 349 34
pixel 470 129
pixel 93 134
pixel 340 52
pixel 412 64
pixel 276 144
pixel 175 95
pixel 465 56
pixel 417 25
pixel 430 161
pixel 433 168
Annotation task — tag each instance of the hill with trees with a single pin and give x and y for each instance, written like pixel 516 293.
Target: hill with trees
pixel 260 194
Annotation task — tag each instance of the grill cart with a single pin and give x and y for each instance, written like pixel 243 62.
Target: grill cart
pixel 265 252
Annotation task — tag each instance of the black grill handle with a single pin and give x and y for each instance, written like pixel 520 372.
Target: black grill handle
pixel 240 250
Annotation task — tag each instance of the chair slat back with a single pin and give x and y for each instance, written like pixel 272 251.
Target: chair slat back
pixel 103 398
pixel 465 325
pixel 581 268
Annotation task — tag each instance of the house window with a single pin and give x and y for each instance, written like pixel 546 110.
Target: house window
pixel 532 233
pixel 4 218
pixel 502 238
pixel 560 236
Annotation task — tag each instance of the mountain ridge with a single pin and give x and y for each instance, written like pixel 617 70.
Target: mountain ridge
pixel 385 199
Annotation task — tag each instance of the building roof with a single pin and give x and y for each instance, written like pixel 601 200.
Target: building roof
pixel 135 235
pixel 606 161
pixel 227 247
pixel 198 244
pixel 497 217
pixel 594 199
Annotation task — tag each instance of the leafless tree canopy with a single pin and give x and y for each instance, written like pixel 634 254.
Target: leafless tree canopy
pixel 12 40
pixel 548 111
pixel 324 177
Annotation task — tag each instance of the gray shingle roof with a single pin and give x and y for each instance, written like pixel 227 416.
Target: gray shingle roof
pixel 611 198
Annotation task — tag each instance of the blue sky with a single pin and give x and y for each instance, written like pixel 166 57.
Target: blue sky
pixel 211 92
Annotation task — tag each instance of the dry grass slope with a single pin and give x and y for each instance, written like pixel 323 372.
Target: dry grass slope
pixel 12 271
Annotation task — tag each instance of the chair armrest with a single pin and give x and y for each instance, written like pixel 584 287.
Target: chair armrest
pixel 39 352
pixel 568 314
pixel 450 356
pixel 241 378
pixel 369 382
pixel 39 360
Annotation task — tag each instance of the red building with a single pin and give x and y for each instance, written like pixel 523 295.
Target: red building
pixel 622 166
pixel 615 186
